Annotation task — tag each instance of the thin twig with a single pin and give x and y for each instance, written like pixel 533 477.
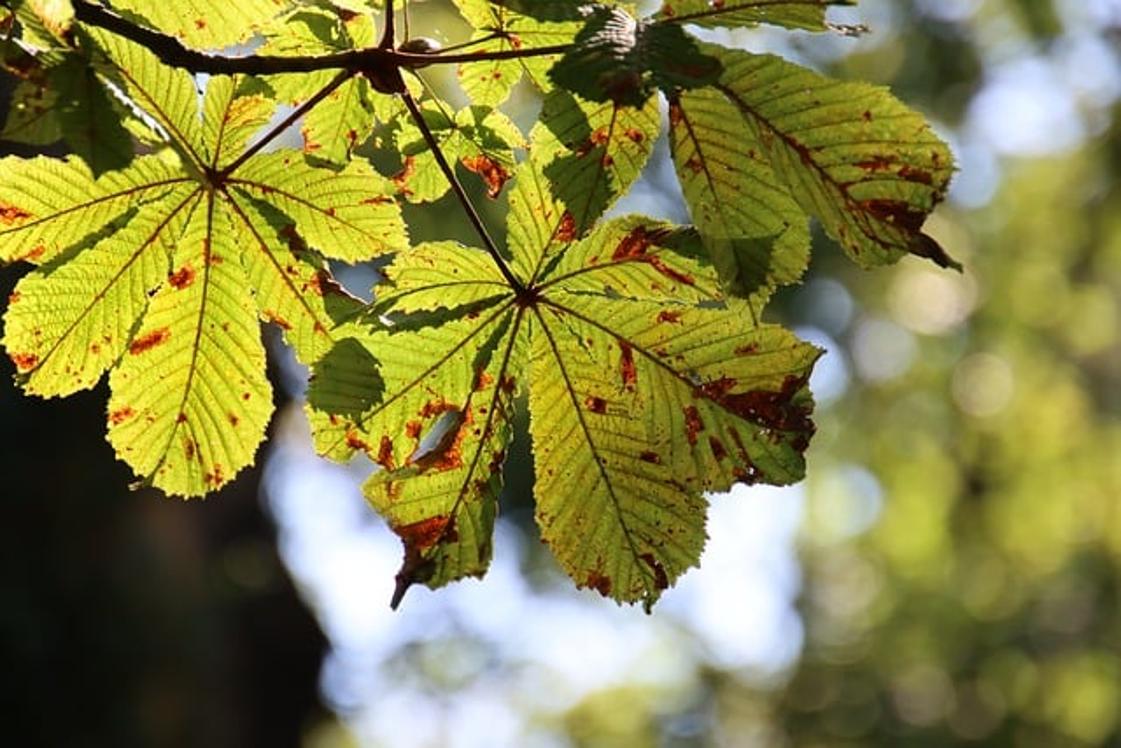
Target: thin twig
pixel 300 111
pixel 461 194
pixel 387 34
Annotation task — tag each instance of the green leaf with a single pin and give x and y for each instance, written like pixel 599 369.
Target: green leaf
pixel 501 29
pixel 57 16
pixel 479 138
pixel 853 156
pixel 190 400
pixel 344 120
pixel 90 121
pixel 31 117
pixel 161 271
pixel 794 14
pixel 205 24
pixel 754 230
pixel 346 215
pixel 585 156
pixel 618 58
pixel 646 388
pixel 167 95
pixel 48 205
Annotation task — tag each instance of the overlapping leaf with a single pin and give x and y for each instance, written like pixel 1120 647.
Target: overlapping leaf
pixel 344 120
pixel 756 233
pixel 853 156
pixel 503 29
pixel 480 139
pixel 205 24
pixel 645 388
pixel 795 14
pixel 618 58
pixel 161 271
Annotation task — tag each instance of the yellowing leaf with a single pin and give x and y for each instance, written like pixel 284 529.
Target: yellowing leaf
pixel 755 232
pixel 161 272
pixel 853 156
pixel 796 14
pixel 205 24
pixel 646 388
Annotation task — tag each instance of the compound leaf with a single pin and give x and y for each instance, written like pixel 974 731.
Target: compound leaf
pixel 161 271
pixel 645 386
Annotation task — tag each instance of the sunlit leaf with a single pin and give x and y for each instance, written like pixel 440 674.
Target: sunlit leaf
pixel 161 272
pixel 753 228
pixel 853 156
pixel 795 14
pixel 646 388
pixel 205 24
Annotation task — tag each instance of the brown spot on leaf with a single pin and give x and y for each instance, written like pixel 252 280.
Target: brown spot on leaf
pixel 717 447
pixel 214 477
pixel 599 583
pixel 750 349
pixel 149 341
pixel 651 457
pixel 627 367
pixel 233 419
pixel 119 416
pixel 276 319
pixel 200 23
pixel 182 277
pixel 661 581
pixel 323 284
pixel 10 214
pixel 876 164
pixel 181 418
pixel 189 449
pixel 666 270
pixel 775 410
pixel 14 297
pixel 34 254
pixel 494 174
pixel 595 404
pixel 911 174
pixel 693 423
pixel 483 380
pixel 435 408
pixel 412 429
pixel 24 361
pixel 633 245
pixel 669 317
pixel 635 135
pixel 385 453
pixel 427 533
pixel 896 212
pixel 401 178
pixel 566 230
pixel 354 441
